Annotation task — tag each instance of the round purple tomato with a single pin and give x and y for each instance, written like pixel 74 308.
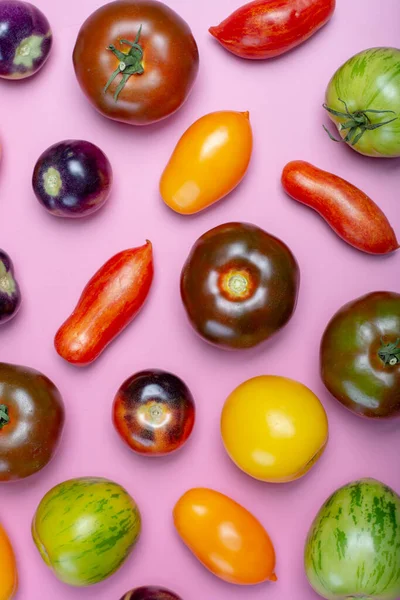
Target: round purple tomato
pixel 150 593
pixel 72 178
pixel 25 39
pixel 10 296
pixel 154 412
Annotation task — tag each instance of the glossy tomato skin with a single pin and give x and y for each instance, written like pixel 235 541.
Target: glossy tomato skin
pixel 239 285
pixel 364 332
pixel 154 412
pixel 267 28
pixel 110 301
pixel 150 593
pixel 273 428
pixel 72 178
pixel 9 574
pixel 31 403
pixel 225 537
pixel 349 211
pixel 10 295
pixel 209 161
pixel 369 81
pixel 170 58
pixel 25 41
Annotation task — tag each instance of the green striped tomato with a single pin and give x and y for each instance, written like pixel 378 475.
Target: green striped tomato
pixel 353 547
pixel 85 529
pixel 363 100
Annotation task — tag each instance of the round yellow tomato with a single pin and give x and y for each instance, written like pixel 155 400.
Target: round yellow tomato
pixel 8 569
pixel 225 537
pixel 274 428
pixel 209 161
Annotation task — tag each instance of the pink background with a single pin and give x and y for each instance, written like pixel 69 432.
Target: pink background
pixel 54 259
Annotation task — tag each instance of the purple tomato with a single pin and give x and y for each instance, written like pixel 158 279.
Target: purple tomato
pixel 25 39
pixel 72 178
pixel 150 593
pixel 10 296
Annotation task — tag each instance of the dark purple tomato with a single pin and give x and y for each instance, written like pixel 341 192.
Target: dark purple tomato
pixel 25 39
pixel 72 178
pixel 150 593
pixel 10 296
pixel 154 412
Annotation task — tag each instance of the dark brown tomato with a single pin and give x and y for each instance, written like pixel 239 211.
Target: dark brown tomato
pixel 31 421
pixel 147 55
pixel 154 412
pixel 239 285
pixel 150 593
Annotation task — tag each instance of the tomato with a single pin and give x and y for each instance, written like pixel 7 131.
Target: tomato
pixel 209 161
pixel 268 28
pixel 10 294
pixel 154 412
pixel 273 428
pixel 150 593
pixel 109 302
pixel 85 529
pixel 363 100
pixel 225 537
pixel 360 355
pixel 9 576
pixel 239 285
pixel 350 212
pixel 31 421
pixel 136 60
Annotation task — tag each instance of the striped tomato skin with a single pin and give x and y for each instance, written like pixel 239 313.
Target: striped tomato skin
pixel 353 546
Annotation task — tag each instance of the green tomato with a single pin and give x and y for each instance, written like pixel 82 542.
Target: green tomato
pixel 353 546
pixel 85 529
pixel 363 100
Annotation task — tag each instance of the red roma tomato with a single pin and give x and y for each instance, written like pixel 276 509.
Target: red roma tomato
pixel 136 60
pixel 350 212
pixel 225 537
pixel 154 412
pixel 109 302
pixel 268 28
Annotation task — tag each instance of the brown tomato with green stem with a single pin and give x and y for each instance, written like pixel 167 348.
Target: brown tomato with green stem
pixel 239 285
pixel 136 60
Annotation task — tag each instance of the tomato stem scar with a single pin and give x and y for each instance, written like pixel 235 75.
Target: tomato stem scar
pixel 130 63
pixel 4 418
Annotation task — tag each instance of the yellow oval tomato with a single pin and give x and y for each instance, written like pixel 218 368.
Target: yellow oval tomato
pixel 225 537
pixel 274 428
pixel 8 568
pixel 209 161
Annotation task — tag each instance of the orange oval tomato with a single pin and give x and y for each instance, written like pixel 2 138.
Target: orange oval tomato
pixel 225 537
pixel 8 568
pixel 209 161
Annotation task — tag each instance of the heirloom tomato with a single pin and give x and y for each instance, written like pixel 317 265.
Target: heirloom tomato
pixel 10 295
pixel 239 285
pixel 360 355
pixel 225 537
pixel 136 60
pixel 363 100
pixel 275 429
pixel 8 568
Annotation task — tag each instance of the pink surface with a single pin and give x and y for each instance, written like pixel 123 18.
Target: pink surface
pixel 55 258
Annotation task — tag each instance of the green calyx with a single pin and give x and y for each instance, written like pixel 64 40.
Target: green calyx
pixel 129 64
pixel 4 418
pixel 357 123
pixel 390 353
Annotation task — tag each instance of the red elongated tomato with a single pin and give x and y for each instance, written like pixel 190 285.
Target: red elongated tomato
pixel 109 302
pixel 349 211
pixel 268 28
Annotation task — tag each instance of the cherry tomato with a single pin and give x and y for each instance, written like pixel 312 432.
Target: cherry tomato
pixel 225 537
pixel 136 60
pixel 8 569
pixel 239 285
pixel 209 161
pixel 273 428
pixel 154 412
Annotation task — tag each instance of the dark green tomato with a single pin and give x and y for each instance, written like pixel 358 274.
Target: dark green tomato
pixel 360 355
pixel 239 285
pixel 150 593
